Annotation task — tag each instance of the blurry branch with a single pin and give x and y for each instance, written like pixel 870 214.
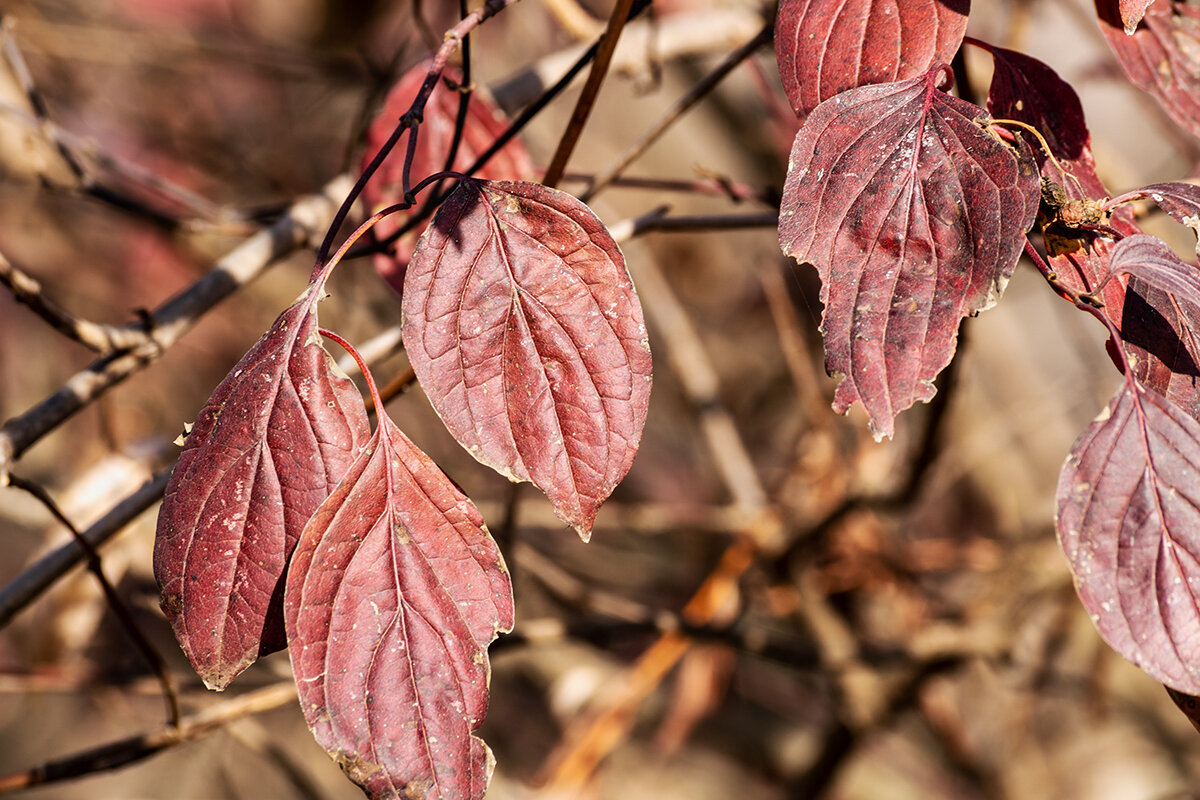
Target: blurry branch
pixel 677 36
pixel 622 10
pixel 75 151
pixel 136 748
pixel 40 575
pixel 152 657
pixel 592 736
pixel 103 339
pixel 709 184
pixel 574 19
pixel 695 94
pixel 305 220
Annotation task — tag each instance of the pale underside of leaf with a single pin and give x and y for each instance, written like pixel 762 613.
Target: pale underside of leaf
pixel 525 331
pixel 1129 522
pixel 394 592
pixel 266 449
pixel 914 217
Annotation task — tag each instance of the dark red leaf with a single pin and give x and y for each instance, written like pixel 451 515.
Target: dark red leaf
pixel 395 590
pixel 1150 259
pixel 1161 57
pixel 267 448
pixel 1180 200
pixel 825 48
pixel 1132 12
pixel 436 134
pixel 524 329
pixel 914 215
pixel 1129 523
pixel 1153 326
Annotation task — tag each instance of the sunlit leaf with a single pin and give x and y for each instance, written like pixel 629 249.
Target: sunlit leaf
pixel 266 449
pixel 394 593
pixel 1129 522
pixel 825 48
pixel 1162 56
pixel 1132 12
pixel 524 329
pixel 914 215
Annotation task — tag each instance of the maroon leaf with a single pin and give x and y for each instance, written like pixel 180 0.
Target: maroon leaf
pixel 483 125
pixel 1150 259
pixel 824 48
pixel 394 593
pixel 914 216
pixel 1162 56
pixel 1132 12
pixel 267 448
pixel 524 329
pixel 1129 523
pixel 1180 200
pixel 1153 326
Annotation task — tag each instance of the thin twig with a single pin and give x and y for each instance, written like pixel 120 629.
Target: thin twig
pixel 303 222
pixel 694 95
pixel 42 574
pixel 153 658
pixel 136 748
pixel 591 89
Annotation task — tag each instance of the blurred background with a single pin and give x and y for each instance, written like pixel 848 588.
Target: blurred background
pixel 901 623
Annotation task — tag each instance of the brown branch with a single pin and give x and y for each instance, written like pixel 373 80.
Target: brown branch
pixel 300 225
pixel 103 339
pixel 152 657
pixel 694 95
pixel 40 575
pixel 591 89
pixel 136 748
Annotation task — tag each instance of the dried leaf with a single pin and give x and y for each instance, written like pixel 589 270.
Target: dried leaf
pixel 824 48
pixel 524 329
pixel 395 590
pixel 1162 56
pixel 1129 523
pixel 484 123
pixel 267 448
pixel 915 216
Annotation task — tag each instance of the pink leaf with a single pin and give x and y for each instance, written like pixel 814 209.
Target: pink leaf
pixel 1181 201
pixel 268 446
pixel 825 48
pixel 525 331
pixel 914 215
pixel 1161 56
pixel 394 593
pixel 435 135
pixel 1129 523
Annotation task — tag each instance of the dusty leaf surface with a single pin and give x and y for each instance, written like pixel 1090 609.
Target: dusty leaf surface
pixel 394 593
pixel 525 331
pixel 914 215
pixel 1129 522
pixel 267 448
pixel 826 48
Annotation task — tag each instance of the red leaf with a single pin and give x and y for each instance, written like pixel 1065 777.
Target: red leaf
pixel 1129 523
pixel 267 448
pixel 1150 259
pixel 1153 327
pixel 825 48
pixel 914 216
pixel 435 135
pixel 1161 56
pixel 1180 200
pixel 524 329
pixel 394 593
